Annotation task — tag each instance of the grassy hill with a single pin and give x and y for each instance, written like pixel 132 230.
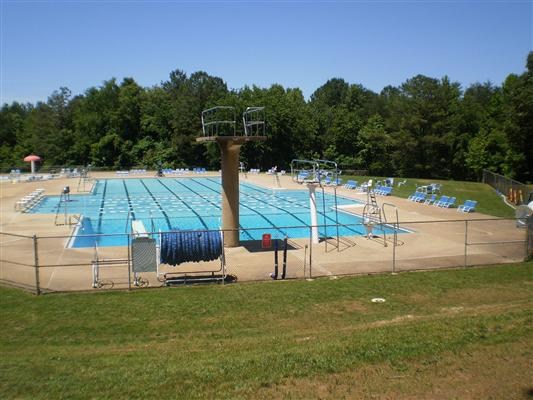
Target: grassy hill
pixel 489 202
pixel 459 333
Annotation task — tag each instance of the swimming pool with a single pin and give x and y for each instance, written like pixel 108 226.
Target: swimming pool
pixel 193 203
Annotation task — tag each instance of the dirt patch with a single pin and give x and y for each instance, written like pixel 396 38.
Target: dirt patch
pixel 498 372
pixel 341 307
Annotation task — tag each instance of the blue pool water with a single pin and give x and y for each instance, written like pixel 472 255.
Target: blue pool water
pixel 192 203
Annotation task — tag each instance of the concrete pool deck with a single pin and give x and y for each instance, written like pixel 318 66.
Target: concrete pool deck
pixel 437 241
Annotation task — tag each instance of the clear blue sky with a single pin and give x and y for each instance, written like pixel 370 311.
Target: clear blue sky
pixel 79 44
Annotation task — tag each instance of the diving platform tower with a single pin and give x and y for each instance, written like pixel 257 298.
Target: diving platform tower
pixel 219 125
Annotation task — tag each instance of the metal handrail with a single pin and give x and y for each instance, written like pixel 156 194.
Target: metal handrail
pixel 215 123
pixel 249 123
pixel 395 235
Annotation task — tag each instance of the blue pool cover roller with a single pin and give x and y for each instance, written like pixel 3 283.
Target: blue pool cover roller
pixel 180 246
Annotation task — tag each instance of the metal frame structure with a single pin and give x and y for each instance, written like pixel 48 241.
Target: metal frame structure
pixel 216 120
pixel 253 119
pixel 314 172
pixel 192 276
pixel 396 227
pixel 85 176
pixel 35 257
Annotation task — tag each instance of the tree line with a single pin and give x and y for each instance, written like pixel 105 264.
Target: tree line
pixel 425 127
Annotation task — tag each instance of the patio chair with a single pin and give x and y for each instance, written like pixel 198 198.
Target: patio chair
pixel 449 203
pixel 431 200
pixel 469 205
pixel 350 184
pixel 387 191
pixel 366 186
pixel 441 201
pixel 420 198
pixel 415 196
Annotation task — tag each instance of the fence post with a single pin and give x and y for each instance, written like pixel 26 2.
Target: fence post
pixel 394 250
pixel 529 237
pixel 129 265
pixel 466 240
pixel 36 266
pixel 310 252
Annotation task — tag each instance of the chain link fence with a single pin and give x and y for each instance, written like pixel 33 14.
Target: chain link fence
pixel 516 192
pixel 49 263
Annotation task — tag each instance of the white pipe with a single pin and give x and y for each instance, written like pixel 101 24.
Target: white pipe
pixel 312 209
pixel 32 167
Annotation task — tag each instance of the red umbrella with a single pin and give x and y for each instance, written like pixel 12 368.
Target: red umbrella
pixel 32 158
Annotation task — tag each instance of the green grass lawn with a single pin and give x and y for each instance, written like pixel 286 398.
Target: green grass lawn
pixel 269 339
pixel 488 200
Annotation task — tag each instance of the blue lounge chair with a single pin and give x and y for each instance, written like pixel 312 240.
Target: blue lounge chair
pixel 470 205
pixel 350 184
pixel 442 200
pixel 383 190
pixel 449 203
pixel 420 198
pixel 431 200
pixel 302 175
pixel 415 195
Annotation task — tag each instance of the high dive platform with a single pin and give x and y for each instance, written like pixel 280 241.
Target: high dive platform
pixel 219 125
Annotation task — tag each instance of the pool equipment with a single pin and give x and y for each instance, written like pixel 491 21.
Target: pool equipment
pixel 85 176
pixel 253 120
pixel 284 270
pixel 315 173
pixel 522 214
pixel 274 275
pixel 143 253
pixel 396 227
pixel 64 200
pixel 219 124
pixel 180 246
